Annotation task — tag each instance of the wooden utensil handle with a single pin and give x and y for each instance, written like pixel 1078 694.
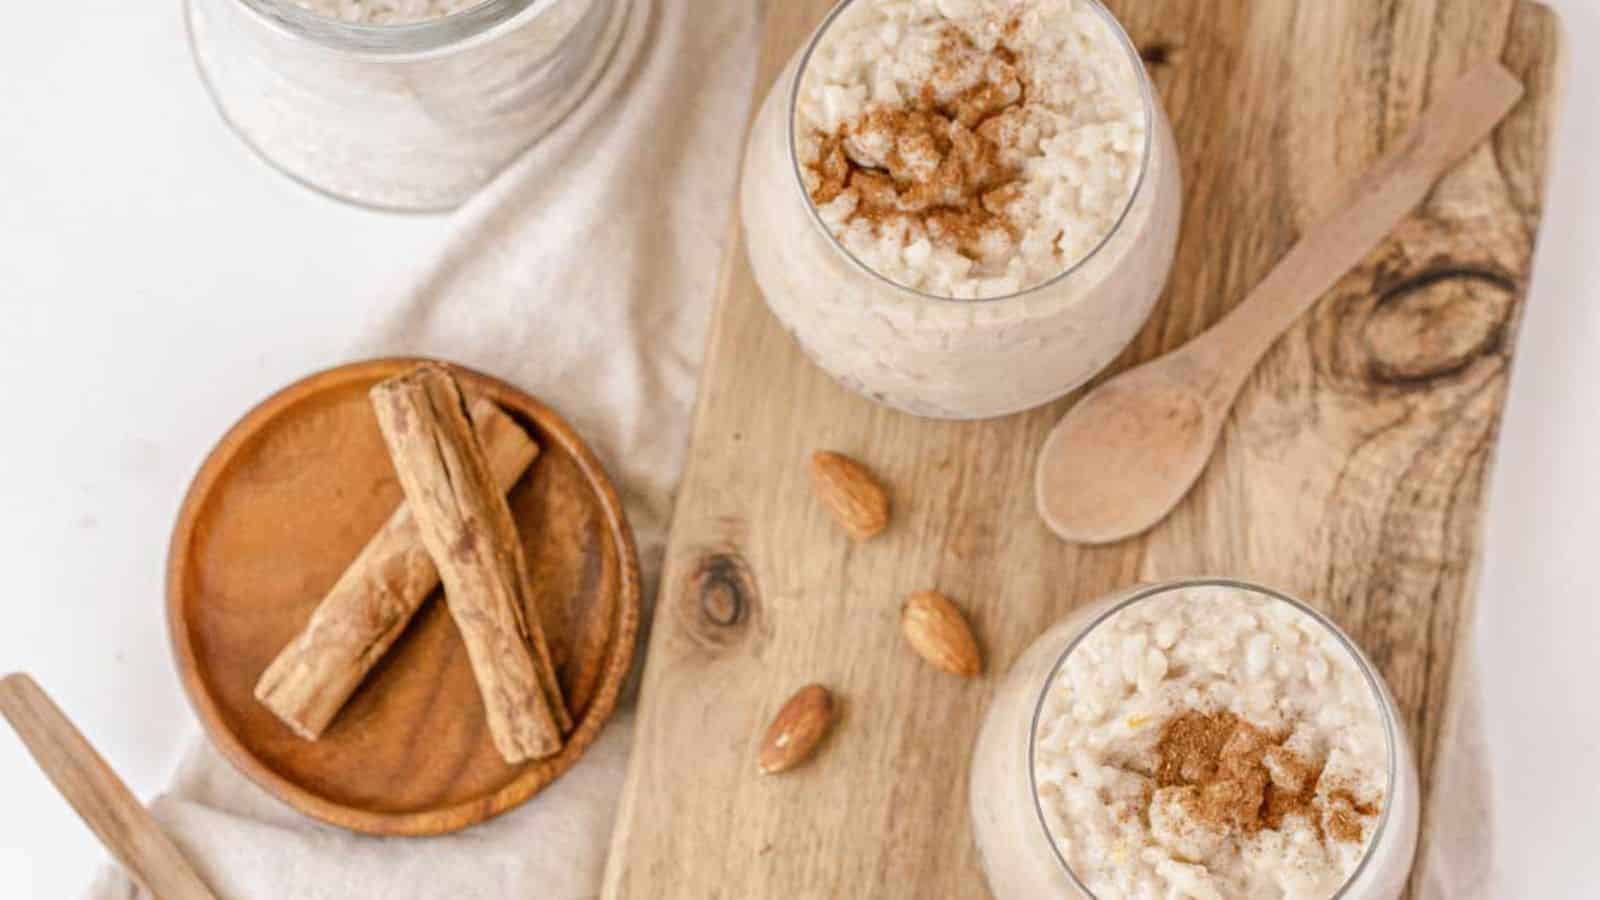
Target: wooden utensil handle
pixel 99 796
pixel 1450 128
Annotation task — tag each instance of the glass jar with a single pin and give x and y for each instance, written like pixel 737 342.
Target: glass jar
pixel 935 356
pixel 1019 851
pixel 410 117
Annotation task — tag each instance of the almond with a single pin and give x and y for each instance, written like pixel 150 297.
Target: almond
pixel 799 727
pixel 857 500
pixel 939 633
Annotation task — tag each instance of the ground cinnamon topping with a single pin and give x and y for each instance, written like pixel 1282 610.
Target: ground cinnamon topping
pixel 1344 816
pixel 1230 775
pixel 937 159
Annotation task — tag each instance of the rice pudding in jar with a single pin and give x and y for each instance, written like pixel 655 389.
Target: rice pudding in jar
pixel 963 208
pixel 1203 739
pixel 401 104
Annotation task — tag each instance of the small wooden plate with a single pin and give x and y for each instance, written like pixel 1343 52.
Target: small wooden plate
pixel 282 506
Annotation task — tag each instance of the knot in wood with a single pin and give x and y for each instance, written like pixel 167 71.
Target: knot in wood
pixel 723 589
pixel 1435 324
pixel 1161 53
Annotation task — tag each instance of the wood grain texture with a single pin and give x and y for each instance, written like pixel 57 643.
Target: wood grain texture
pixel 289 496
pixel 1351 472
pixel 1130 450
pixel 101 798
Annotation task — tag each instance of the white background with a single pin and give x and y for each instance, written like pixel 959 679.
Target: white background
pixel 156 281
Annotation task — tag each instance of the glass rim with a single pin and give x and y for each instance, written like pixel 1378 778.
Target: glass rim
pixel 383 41
pixel 1147 95
pixel 1148 592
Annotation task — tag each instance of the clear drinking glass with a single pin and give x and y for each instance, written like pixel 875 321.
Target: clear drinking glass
pixel 412 116
pixel 939 357
pixel 1021 859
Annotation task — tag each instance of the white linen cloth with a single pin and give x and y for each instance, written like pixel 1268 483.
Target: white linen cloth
pixel 584 274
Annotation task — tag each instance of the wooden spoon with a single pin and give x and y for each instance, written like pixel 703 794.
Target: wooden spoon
pixel 1122 458
pixel 99 796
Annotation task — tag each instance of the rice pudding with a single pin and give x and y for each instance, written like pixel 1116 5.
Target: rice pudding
pixel 970 149
pixel 963 208
pixel 401 104
pixel 387 12
pixel 1205 740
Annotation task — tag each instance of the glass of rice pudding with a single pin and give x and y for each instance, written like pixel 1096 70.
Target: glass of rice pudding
pixel 963 208
pixel 1203 739
pixel 408 105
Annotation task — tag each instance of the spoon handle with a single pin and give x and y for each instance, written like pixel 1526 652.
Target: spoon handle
pixel 99 796
pixel 1454 124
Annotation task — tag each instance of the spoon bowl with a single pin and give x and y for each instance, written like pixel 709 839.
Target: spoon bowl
pixel 1120 461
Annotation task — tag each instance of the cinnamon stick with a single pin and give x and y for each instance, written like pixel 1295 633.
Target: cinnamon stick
pixel 468 530
pixel 372 602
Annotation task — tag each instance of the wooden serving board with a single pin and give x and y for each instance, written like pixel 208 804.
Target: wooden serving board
pixel 1351 474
